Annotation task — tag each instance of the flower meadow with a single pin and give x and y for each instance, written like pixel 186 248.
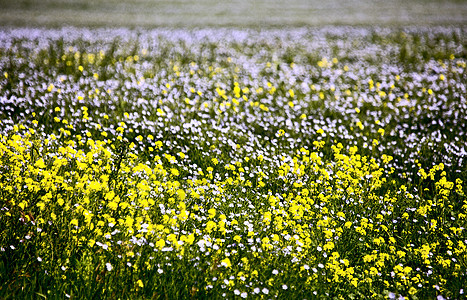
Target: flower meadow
pixel 309 163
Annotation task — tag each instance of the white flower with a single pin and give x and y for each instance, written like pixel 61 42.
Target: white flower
pixel 275 272
pixel 39 259
pixel 284 287
pixel 108 266
pixel 244 295
pixel 265 291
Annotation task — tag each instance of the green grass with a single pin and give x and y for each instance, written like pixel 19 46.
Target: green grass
pixel 224 163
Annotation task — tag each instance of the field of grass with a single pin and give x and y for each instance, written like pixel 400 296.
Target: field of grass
pixel 225 163
pixel 242 13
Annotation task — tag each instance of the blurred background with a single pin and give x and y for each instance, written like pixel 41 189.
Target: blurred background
pixel 238 13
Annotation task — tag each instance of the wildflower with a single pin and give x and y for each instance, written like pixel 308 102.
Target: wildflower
pixel 108 266
pixel 212 213
pixel 181 194
pixel 140 283
pixel 226 262
pixel 40 163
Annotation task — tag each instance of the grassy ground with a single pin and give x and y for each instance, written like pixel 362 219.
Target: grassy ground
pixel 151 13
pixel 223 163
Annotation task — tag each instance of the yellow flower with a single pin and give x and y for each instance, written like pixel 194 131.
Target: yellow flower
pixel 160 243
pixel 412 291
pixel 140 283
pixel 226 262
pixel 40 164
pixel 212 213
pixel 181 194
pixel 210 226
pixel 113 205
pixel 360 125
pixel 174 172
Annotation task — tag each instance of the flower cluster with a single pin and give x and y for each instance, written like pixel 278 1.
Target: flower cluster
pixel 228 163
